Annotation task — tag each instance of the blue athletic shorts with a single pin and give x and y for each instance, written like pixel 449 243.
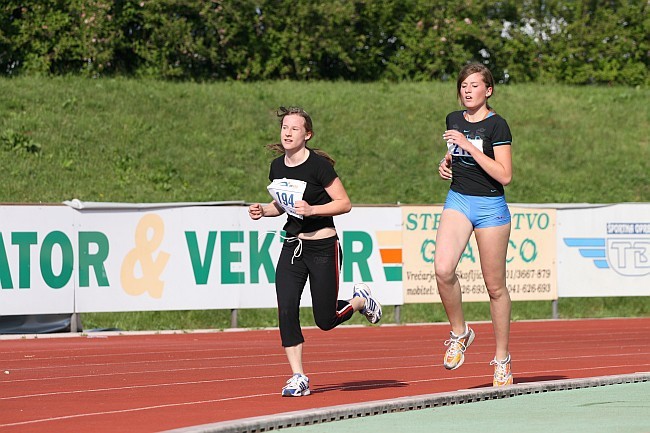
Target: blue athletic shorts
pixel 481 211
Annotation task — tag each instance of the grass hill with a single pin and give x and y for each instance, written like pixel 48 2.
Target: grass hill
pixel 151 141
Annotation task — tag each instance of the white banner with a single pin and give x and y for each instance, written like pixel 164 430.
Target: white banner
pixel 38 260
pixel 114 258
pixel 604 251
pixel 120 257
pixel 372 251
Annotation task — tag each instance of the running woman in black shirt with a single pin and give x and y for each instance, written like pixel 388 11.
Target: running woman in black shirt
pixel 479 164
pixel 305 186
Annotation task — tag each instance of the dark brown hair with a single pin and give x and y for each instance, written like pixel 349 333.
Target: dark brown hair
pixel 282 113
pixel 474 68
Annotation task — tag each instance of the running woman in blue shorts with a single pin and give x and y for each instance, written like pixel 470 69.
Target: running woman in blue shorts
pixel 305 186
pixel 479 165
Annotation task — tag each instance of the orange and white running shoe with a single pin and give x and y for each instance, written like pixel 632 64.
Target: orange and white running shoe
pixel 457 344
pixel 502 372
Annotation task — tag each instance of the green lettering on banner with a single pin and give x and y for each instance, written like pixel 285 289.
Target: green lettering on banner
pixel 67 255
pixel 531 220
pixel 436 221
pixel 468 253
pixel 5 272
pixel 201 270
pixel 511 246
pixel 411 222
pixel 228 257
pixel 96 261
pixel 24 240
pixel 527 251
pixel 428 250
pixel 261 257
pixel 350 256
pixel 423 221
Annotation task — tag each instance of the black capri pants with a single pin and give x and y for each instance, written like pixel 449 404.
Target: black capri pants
pixel 320 260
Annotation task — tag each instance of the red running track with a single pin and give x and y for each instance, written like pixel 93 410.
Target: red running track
pixel 156 382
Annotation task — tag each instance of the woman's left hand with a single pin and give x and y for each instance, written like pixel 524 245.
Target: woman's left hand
pixel 444 167
pixel 459 139
pixel 303 208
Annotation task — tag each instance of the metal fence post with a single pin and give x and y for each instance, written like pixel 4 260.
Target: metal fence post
pixel 233 318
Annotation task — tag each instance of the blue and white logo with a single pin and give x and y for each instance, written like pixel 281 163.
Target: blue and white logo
pixel 626 251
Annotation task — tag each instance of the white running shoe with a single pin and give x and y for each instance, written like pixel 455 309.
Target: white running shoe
pixel 372 308
pixel 297 386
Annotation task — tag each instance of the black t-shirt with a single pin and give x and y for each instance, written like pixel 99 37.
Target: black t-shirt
pixel 318 172
pixel 468 177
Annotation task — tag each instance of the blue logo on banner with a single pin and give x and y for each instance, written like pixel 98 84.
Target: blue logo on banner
pixel 629 255
pixel 590 248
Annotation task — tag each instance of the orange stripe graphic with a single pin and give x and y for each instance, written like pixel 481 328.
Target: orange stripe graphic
pixel 391 255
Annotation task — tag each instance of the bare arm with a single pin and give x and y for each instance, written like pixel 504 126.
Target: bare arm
pixel 258 210
pixel 499 168
pixel 340 203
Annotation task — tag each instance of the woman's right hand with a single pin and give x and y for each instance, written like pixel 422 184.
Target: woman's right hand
pixel 444 167
pixel 255 211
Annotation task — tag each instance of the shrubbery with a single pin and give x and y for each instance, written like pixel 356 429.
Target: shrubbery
pixel 580 42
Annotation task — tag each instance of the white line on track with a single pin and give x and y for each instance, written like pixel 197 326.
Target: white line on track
pixel 198 382
pixel 135 409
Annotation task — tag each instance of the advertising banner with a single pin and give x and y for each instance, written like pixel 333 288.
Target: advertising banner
pixel 372 251
pixel 531 272
pixel 65 259
pixel 604 250
pixel 58 259
pixel 38 259
pixel 217 257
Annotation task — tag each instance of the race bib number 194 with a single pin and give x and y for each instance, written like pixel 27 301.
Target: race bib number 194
pixel 286 192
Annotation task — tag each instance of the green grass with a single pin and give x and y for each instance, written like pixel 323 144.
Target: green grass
pixel 151 141
pixel 568 308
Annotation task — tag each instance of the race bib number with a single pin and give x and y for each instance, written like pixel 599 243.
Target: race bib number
pixel 286 192
pixel 455 150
